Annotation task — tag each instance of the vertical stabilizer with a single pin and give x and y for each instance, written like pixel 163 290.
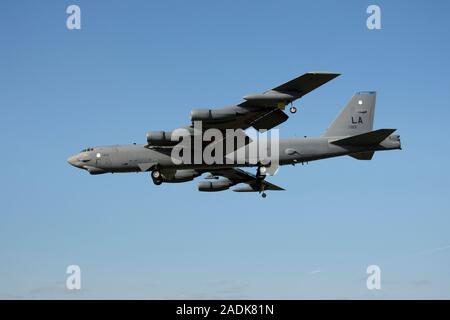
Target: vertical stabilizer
pixel 356 117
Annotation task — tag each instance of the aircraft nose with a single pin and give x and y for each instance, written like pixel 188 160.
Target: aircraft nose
pixel 73 160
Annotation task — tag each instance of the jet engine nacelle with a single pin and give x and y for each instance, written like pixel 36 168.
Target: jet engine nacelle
pixel 212 186
pixel 174 176
pixel 246 188
pixel 160 138
pixel 209 115
pixel 271 95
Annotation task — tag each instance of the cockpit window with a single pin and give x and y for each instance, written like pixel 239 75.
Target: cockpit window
pixel 87 149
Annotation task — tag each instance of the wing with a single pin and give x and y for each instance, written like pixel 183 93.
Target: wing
pixel 260 111
pixel 264 110
pixel 289 91
pixel 236 176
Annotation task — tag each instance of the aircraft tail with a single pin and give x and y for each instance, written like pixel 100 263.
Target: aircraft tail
pixel 363 155
pixel 365 139
pixel 356 118
pixel 368 139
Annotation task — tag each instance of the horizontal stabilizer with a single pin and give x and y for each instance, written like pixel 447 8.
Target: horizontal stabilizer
pixel 363 155
pixel 365 139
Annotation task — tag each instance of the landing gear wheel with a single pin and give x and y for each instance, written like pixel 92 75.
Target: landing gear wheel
pixel 263 195
pixel 261 173
pixel 156 174
pixel 293 109
pixel 156 177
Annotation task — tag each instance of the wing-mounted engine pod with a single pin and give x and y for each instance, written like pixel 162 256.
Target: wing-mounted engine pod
pixel 209 115
pixel 247 188
pixel 175 176
pixel 212 186
pixel 272 95
pixel 160 138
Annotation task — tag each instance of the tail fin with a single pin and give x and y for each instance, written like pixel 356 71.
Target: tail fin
pixel 356 117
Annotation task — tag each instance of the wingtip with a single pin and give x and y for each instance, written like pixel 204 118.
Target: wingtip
pixel 335 74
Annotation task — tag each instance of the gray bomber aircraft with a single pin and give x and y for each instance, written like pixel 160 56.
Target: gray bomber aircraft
pixel 351 133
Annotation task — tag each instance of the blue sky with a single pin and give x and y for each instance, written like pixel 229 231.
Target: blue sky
pixel 137 66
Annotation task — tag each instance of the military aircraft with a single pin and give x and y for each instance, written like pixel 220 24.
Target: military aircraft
pixel 351 133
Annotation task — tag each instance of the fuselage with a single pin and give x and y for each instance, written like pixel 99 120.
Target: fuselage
pixel 134 157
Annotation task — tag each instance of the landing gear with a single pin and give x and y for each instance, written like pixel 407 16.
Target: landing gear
pixel 156 174
pixel 292 109
pixel 156 177
pixel 260 176
pixel 261 172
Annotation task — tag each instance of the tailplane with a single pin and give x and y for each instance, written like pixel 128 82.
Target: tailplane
pixel 365 139
pixel 368 155
pixel 368 139
pixel 356 117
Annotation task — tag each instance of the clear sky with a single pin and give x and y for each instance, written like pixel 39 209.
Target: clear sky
pixel 137 66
